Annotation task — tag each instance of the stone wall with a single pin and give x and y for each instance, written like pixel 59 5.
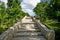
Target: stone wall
pixel 49 34
pixel 8 35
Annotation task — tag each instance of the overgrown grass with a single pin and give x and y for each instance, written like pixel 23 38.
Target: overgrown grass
pixel 51 24
pixel 3 28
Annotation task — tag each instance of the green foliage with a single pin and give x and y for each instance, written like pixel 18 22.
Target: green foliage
pixel 49 14
pixel 53 10
pixel 10 15
pixel 41 10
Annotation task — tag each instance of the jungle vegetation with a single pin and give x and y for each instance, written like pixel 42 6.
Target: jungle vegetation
pixel 49 14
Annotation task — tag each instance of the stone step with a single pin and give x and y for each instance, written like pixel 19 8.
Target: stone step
pixel 35 24
pixel 28 18
pixel 31 29
pixel 29 38
pixel 28 22
pixel 35 27
pixel 27 31
pixel 28 34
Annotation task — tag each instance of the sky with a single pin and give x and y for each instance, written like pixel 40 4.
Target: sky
pixel 45 0
pixel 5 1
pixel 27 5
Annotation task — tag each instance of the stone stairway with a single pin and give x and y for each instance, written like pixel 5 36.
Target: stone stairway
pixel 33 34
pixel 28 31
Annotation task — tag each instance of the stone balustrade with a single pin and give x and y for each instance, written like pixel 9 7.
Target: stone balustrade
pixel 8 35
pixel 49 34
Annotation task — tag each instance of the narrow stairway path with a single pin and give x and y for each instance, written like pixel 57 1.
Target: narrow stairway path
pixel 28 31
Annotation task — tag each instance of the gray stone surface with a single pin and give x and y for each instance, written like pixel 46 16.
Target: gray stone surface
pixel 49 34
pixel 29 38
pixel 28 31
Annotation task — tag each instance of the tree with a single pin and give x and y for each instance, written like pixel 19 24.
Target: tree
pixel 2 13
pixel 10 3
pixel 10 15
pixel 40 9
pixel 53 9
